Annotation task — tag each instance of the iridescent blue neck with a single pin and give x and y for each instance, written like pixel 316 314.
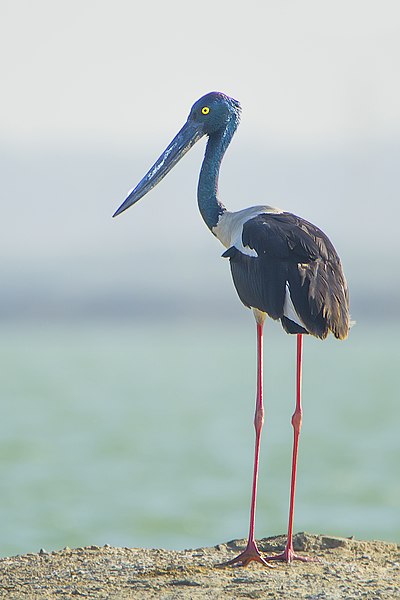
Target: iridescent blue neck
pixel 207 191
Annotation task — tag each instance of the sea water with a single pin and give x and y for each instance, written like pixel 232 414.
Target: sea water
pixel 141 434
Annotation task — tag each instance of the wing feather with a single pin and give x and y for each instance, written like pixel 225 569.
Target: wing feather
pixel 296 255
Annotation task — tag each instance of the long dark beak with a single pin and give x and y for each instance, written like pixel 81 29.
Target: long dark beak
pixel 182 142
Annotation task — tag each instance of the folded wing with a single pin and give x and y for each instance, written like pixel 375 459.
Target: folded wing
pixel 296 276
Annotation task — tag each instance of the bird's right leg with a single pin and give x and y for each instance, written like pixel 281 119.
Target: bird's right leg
pixel 288 555
pixel 252 552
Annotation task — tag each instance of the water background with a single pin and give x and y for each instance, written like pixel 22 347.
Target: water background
pixel 126 361
pixel 140 433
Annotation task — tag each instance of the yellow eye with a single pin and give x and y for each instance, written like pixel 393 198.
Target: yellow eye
pixel 205 110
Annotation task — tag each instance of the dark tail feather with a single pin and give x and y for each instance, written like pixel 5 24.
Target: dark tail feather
pixel 320 297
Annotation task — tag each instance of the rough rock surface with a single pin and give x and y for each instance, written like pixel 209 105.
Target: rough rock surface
pixel 347 569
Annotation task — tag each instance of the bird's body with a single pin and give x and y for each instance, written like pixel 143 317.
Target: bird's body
pixel 282 266
pixel 286 267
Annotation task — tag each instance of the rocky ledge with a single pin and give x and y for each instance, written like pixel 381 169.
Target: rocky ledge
pixel 347 569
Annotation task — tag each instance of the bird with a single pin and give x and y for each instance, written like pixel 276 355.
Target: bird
pixel 282 266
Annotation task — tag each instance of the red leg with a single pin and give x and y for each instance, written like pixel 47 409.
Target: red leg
pixel 288 554
pixel 252 552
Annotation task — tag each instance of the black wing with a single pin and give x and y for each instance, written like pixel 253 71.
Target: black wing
pixel 296 256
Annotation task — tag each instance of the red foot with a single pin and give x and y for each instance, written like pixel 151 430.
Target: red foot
pixel 288 555
pixel 244 558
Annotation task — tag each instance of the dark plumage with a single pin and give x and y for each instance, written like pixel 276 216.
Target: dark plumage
pixel 296 257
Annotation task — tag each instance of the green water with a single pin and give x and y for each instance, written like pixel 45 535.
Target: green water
pixel 141 435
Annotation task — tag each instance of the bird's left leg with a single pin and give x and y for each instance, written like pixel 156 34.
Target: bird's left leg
pixel 288 554
pixel 251 552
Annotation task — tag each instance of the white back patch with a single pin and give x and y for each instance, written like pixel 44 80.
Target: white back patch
pixel 229 229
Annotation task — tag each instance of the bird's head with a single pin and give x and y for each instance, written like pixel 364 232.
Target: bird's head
pixel 210 114
pixel 213 112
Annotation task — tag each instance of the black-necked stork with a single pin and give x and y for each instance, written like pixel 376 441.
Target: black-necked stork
pixel 282 266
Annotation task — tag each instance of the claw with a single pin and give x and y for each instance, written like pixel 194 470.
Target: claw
pixel 251 553
pixel 288 555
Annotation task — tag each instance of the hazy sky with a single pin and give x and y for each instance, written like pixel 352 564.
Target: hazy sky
pixel 307 71
pixel 92 91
